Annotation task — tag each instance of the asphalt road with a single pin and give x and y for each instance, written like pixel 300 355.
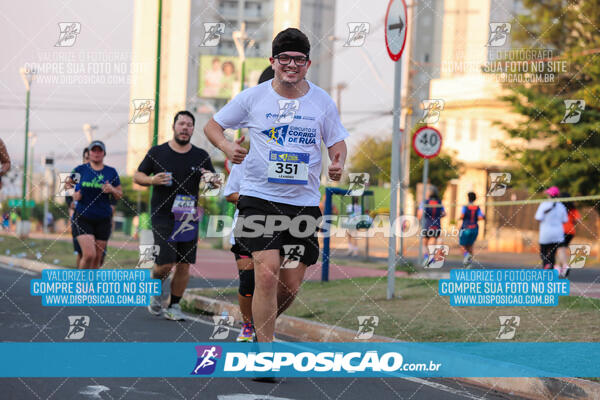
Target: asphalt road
pixel 24 319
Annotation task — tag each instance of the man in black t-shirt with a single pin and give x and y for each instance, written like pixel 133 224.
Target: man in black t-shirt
pixel 175 169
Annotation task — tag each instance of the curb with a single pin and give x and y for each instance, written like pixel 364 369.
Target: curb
pixel 540 388
pixel 31 265
pixel 310 331
pixel 298 328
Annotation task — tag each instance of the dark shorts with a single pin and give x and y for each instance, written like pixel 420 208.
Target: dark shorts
pixel 432 232
pixel 468 236
pixel 548 253
pixel 171 252
pixel 237 251
pixel 304 248
pixel 567 240
pixel 76 245
pixel 99 228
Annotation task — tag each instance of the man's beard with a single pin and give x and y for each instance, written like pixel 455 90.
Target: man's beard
pixel 181 142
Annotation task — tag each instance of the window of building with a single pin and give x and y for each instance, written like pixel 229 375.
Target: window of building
pixel 473 130
pixel 458 127
pixel 252 9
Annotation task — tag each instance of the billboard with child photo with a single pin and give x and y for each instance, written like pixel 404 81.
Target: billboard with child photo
pixel 219 77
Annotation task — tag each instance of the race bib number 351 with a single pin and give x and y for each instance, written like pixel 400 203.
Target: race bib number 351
pixel 289 168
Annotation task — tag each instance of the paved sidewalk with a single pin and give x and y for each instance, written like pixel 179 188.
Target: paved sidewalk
pixel 220 264
pixel 377 250
pixel 213 264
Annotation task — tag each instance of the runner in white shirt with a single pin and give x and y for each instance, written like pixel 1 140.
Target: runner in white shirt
pixel 551 215
pixel 287 118
pixel 243 259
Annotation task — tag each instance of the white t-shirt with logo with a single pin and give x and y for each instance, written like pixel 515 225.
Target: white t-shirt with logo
pixel 552 216
pixel 284 161
pixel 233 181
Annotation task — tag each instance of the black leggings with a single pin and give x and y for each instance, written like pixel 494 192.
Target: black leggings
pixel 548 253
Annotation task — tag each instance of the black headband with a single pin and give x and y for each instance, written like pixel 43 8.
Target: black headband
pixel 290 45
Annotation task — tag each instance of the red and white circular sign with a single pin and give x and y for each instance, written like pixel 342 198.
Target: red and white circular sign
pixel 395 28
pixel 427 142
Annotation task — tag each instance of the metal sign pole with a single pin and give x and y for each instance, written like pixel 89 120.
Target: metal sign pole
pixel 395 39
pixel 396 140
pixel 422 222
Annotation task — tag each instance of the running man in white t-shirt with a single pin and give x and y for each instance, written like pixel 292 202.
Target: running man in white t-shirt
pixel 287 118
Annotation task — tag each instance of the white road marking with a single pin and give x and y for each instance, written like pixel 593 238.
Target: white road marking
pixel 444 388
pixel 131 389
pixel 245 396
pixel 93 391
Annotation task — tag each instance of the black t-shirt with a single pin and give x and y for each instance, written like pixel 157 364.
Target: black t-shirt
pixel 185 168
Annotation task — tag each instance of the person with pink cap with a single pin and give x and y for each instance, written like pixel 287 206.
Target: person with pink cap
pixel 552 215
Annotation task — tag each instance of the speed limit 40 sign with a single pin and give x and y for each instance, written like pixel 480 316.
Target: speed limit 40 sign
pixel 427 142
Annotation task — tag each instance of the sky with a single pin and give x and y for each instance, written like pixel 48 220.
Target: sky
pixel 59 111
pixel 98 95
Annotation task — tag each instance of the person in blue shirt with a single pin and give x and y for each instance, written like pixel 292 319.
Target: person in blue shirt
pixel 92 218
pixel 470 215
pixel 431 212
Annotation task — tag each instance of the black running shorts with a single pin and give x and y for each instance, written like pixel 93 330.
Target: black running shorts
pixel 284 240
pixel 171 252
pixel 99 228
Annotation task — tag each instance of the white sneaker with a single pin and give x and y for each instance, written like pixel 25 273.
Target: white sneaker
pixel 155 306
pixel 560 271
pixel 563 271
pixel 468 260
pixel 174 313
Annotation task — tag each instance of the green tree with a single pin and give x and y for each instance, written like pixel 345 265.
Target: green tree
pixel 442 169
pixel 373 155
pixel 563 154
pixel 57 210
pixel 129 203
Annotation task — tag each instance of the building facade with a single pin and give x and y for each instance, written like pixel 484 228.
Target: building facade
pixel 191 58
pixel 471 102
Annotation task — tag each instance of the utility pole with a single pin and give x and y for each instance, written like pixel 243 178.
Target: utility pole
pixel 27 75
pixel 339 88
pixel 33 139
pixel 156 90
pixel 88 131
pixel 242 42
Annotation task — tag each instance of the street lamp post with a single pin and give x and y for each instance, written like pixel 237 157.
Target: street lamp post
pixel 240 38
pixel 156 89
pixel 27 75
pixel 88 131
pixel 33 142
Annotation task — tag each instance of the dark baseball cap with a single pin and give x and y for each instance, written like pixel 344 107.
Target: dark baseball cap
pixel 97 143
